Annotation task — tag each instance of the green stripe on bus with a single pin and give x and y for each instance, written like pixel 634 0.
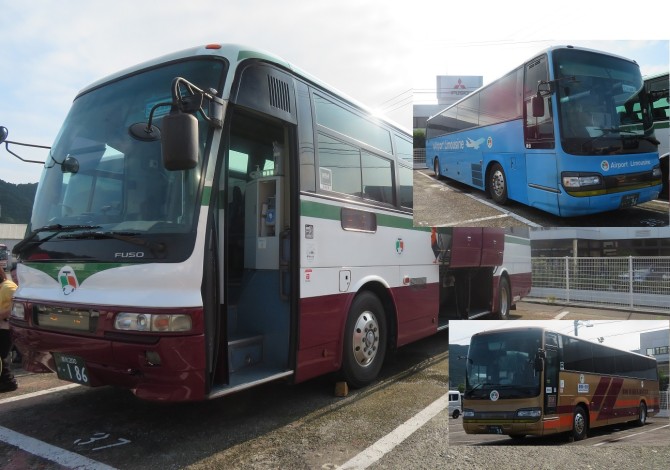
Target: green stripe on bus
pixel 330 212
pixel 206 195
pixel 82 270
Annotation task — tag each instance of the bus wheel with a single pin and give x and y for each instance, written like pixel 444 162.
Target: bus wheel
pixel 498 184
pixel 642 416
pixel 516 436
pixel 436 168
pixel 504 297
pixel 364 340
pixel 579 424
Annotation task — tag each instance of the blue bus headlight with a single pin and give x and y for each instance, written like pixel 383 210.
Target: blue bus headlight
pixel 656 172
pixel 576 181
pixel 529 413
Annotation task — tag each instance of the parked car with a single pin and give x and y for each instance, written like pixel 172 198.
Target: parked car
pixel 454 403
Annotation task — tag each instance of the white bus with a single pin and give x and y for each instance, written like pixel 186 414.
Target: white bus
pixel 216 219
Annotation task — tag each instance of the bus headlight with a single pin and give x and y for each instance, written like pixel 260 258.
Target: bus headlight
pixel 656 172
pixel 580 180
pixel 529 413
pixel 18 311
pixel 468 413
pixel 128 321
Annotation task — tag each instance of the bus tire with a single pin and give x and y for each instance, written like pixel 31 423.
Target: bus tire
pixel 364 340
pixel 580 424
pixel 517 437
pixel 504 299
pixel 498 184
pixel 642 415
pixel 436 168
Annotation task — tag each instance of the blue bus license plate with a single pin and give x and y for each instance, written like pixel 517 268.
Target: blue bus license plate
pixel 629 200
pixel 71 368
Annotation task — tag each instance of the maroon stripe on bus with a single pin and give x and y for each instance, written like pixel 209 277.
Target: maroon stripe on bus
pixel 610 399
pixel 599 394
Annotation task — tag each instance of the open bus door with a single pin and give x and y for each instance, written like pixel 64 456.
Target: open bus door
pixel 254 326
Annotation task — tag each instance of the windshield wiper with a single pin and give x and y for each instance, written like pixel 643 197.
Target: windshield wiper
pixel 56 228
pixel 129 237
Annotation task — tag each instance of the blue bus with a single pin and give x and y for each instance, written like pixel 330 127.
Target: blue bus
pixel 558 133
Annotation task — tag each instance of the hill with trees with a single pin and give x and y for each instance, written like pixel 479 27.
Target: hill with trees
pixel 16 202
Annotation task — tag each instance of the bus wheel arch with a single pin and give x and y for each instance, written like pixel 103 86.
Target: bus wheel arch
pixel 580 423
pixel 366 336
pixel 496 183
pixel 642 414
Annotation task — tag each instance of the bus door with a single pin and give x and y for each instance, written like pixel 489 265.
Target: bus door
pixel 551 368
pixel 541 165
pixel 257 292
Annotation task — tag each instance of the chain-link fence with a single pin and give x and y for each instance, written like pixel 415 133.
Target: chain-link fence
pixel 635 283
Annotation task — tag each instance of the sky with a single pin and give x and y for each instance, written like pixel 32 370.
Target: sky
pixel 384 54
pixel 621 334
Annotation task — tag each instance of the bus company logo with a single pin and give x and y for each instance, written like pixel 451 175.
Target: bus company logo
pixel 399 246
pixel 605 165
pixel 68 280
pixel 494 395
pixel 489 142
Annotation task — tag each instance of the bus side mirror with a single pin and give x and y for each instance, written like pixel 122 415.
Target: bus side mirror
pixel 179 141
pixel 537 106
pixel 539 360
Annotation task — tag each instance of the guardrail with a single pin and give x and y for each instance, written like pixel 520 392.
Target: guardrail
pixel 633 282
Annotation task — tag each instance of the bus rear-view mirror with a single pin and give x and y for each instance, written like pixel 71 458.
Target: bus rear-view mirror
pixel 537 105
pixel 179 141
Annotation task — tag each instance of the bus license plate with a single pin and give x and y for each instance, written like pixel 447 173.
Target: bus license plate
pixel 71 368
pixel 495 429
pixel 629 200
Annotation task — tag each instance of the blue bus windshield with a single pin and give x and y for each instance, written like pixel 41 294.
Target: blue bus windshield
pixel 599 98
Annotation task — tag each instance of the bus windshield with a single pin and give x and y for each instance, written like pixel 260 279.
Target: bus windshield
pixel 99 176
pixel 504 362
pixel 600 99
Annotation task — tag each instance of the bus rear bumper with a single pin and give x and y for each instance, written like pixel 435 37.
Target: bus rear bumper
pixel 179 375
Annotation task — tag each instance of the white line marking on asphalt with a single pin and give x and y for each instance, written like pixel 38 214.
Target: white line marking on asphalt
pixel 384 445
pixel 493 206
pixel 37 394
pixel 561 315
pixel 52 453
pixel 629 435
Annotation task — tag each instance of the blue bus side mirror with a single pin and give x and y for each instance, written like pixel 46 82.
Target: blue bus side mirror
pixel 179 141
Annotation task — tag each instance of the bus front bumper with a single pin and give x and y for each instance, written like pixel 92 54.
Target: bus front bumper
pixel 169 369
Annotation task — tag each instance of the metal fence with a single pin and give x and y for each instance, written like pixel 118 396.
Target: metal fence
pixel 420 158
pixel 635 283
pixel 665 407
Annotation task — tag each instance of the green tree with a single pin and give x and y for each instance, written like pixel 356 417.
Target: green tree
pixel 419 138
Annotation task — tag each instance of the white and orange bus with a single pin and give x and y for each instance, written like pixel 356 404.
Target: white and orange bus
pixel 216 219
pixel 534 381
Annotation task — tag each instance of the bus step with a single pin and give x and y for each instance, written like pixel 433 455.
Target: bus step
pixel 245 352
